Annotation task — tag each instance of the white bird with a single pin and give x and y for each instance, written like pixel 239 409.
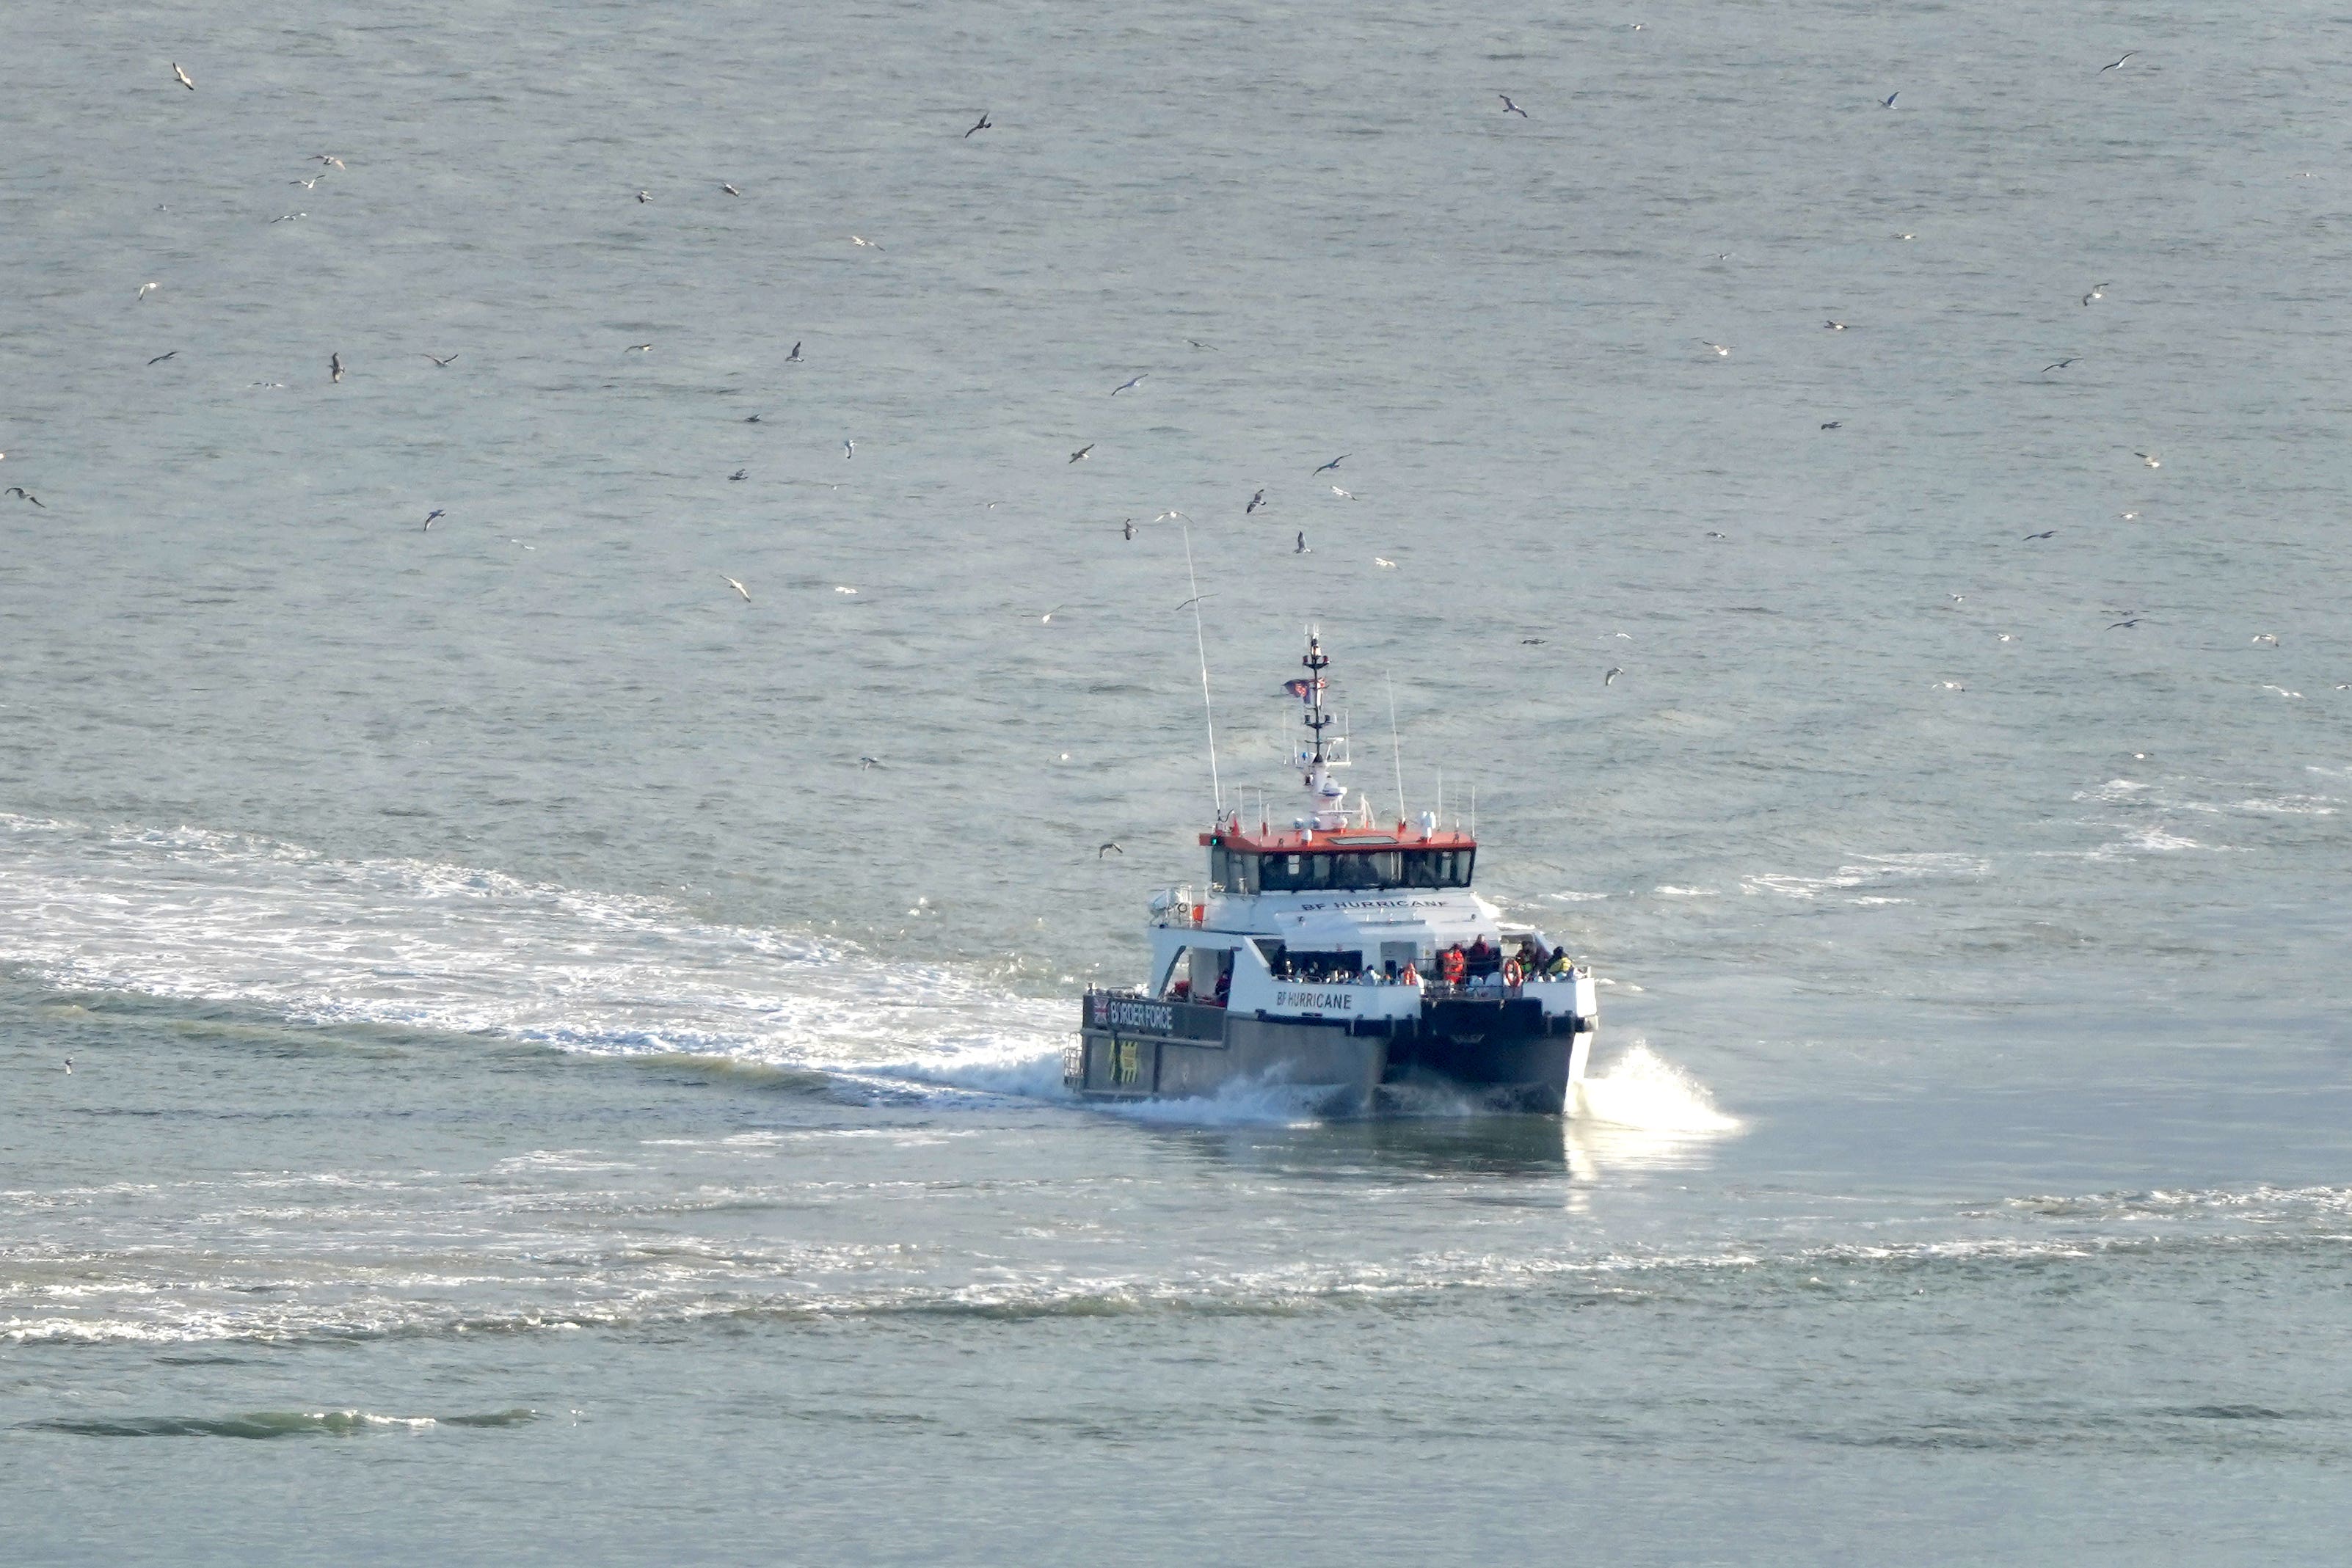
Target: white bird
pixel 1343 495
pixel 429 516
pixel 2104 69
pixel 1834 326
pixel 1611 678
pixel 839 588
pixel 2266 637
pixel 2128 517
pixel 861 239
pixel 729 189
pixel 1128 385
pixel 182 76
pixel 1170 514
pixel 1382 560
pixel 864 762
pixel 645 195
pixel 848 450
pixel 2098 291
pixel 335 367
pixel 737 587
pixel 639 348
pixel 2147 459
pixel 147 288
pixel 1048 619
pixel 288 218
pixel 1719 349
pixel 1906 236
pixel 1081 451
pixel 1950 686
pixel 1511 108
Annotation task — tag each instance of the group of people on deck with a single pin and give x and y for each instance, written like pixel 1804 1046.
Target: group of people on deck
pixel 1460 965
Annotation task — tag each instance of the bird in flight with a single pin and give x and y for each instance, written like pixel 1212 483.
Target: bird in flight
pixel 645 195
pixel 1888 102
pixel 848 450
pixel 2270 637
pixel 440 362
pixel 2132 620
pixel 1210 347
pixel 737 587
pixel 334 367
pixel 1833 424
pixel 1128 385
pixel 864 762
pixel 984 124
pixel 2098 291
pixel 182 76
pixel 729 189
pixel 329 159
pixel 861 239
pixel 1081 451
pixel 740 473
pixel 1255 503
pixel 1719 349
pixel 161 358
pixel 2104 69
pixel 18 490
pixel 1301 547
pixel 2045 534
pixel 1381 561
pixel 1611 678
pixel 1511 108
pixel 435 512
pixel 1108 847
pixel 147 288
pixel 1128 529
pixel 638 349
pixel 1531 642
pixel 753 418
pixel 2149 459
pixel 288 218
pixel 1169 516
pixel 1834 326
pixel 794 357
pixel 1048 619
pixel 1343 495
pixel 1333 463
pixel 2059 366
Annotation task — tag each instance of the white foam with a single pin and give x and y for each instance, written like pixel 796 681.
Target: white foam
pixel 1642 1090
pixel 223 917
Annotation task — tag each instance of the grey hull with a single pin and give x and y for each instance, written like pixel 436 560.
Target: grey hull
pixel 1503 1055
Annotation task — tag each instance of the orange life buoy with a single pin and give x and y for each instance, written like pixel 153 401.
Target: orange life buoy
pixel 1512 973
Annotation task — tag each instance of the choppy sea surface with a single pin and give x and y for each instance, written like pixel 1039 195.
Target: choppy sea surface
pixel 540 1093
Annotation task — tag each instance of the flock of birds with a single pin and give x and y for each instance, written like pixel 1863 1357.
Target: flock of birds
pixel 1258 500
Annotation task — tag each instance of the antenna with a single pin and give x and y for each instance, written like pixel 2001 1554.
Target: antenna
pixel 1474 811
pixel 1396 748
pixel 1216 789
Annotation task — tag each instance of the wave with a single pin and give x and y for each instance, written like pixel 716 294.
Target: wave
pixel 1644 1092
pixel 266 1423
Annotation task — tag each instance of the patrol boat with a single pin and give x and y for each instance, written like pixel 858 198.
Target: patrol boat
pixel 1343 958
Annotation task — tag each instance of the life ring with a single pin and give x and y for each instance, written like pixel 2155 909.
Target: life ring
pixel 1512 973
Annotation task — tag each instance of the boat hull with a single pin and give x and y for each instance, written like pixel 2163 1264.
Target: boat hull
pixel 1500 1054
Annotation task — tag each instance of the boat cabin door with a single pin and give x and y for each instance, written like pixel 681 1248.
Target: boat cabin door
pixel 1211 970
pixel 1397 955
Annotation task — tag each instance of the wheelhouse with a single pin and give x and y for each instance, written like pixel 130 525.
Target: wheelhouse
pixel 1308 861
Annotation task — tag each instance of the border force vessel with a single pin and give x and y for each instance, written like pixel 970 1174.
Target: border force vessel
pixel 1344 959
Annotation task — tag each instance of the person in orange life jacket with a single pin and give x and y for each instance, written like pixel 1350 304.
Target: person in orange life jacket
pixel 1451 964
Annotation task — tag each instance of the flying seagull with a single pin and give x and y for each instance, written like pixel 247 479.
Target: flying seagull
pixel 440 362
pixel 20 491
pixel 182 76
pixel 985 124
pixel 1719 349
pixel 753 418
pixel 1081 451
pixel 1170 514
pixel 2147 458
pixel 639 348
pixel 68 1067
pixel 2045 534
pixel 1333 463
pixel 161 358
pixel 1888 102
pixel 737 587
pixel 645 195
pixel 1128 529
pixel 1833 424
pixel 1301 549
pixel 1834 326
pixel 1381 561
pixel 2059 366
pixel 1108 847
pixel 848 450
pixel 1611 678
pixel 1343 495
pixel 329 159
pixel 861 239
pixel 794 357
pixel 1511 108
pixel 1531 642
pixel 729 189
pixel 2098 291
pixel 740 473
pixel 1128 385
pixel 864 761
pixel 335 367
pixel 435 512
pixel 147 288
pixel 1255 503
pixel 2104 69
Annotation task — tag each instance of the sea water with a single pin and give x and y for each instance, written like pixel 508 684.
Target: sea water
pixel 565 1056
